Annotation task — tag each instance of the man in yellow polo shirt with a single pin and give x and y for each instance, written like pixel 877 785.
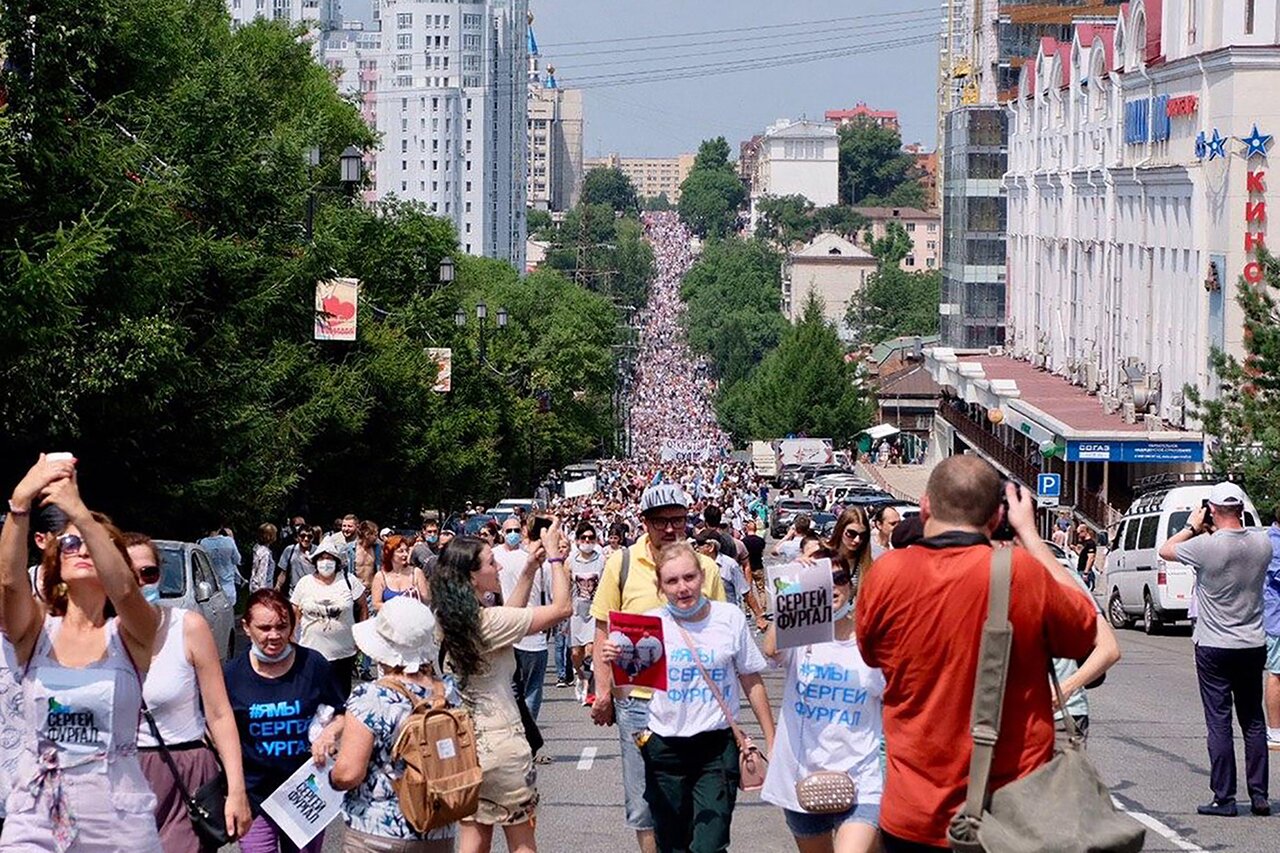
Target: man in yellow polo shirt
pixel 664 510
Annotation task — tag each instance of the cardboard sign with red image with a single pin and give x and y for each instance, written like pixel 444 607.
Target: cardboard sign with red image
pixel 643 658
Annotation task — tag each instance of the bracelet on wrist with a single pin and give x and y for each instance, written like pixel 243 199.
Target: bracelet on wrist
pixel 18 511
pixel 555 559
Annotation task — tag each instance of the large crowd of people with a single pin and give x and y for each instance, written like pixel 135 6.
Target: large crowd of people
pixel 116 716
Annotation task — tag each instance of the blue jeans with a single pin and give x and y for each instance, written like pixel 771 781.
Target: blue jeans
pixel 531 671
pixel 632 717
pixel 563 669
pixel 806 825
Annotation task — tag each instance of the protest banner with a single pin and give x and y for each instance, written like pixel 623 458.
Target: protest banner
pixel 336 301
pixel 443 357
pixel 802 603
pixel 305 804
pixel 642 660
pixel 699 450
pixel 579 488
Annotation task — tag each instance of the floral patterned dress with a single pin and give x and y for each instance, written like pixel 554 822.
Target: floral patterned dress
pixel 372 807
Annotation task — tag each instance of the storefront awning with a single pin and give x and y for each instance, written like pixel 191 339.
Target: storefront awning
pixel 876 433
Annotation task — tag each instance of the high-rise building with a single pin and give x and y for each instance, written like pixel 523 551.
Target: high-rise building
pixel 452 104
pixel 555 137
pixel 984 45
pixel 326 14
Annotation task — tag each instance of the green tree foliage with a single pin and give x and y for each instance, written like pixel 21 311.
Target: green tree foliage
pixel 712 194
pixel 160 289
pixel 732 295
pixel 1244 416
pixel 793 219
pixel 540 224
pixel 894 302
pixel 604 252
pixel 660 202
pixel 873 166
pixel 803 386
pixel 610 187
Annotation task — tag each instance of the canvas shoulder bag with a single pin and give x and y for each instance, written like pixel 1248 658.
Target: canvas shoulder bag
pixel 1063 806
pixel 751 762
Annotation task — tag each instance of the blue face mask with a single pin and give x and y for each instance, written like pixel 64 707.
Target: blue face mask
pixel 433 539
pixel 842 611
pixel 512 539
pixel 257 652
pixel 151 592
pixel 686 612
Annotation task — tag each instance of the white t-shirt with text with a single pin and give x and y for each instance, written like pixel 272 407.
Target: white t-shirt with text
pixel 726 649
pixel 831 719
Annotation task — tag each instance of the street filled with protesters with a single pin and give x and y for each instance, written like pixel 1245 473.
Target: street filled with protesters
pixel 382 687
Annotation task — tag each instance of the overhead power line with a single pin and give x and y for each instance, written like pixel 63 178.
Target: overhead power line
pixel 896 28
pixel 932 9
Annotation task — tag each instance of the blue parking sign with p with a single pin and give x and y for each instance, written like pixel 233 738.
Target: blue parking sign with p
pixel 1049 485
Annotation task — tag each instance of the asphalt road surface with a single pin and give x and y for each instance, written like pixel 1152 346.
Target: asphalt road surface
pixel 1147 739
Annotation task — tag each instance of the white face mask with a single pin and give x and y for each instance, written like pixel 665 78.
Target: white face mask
pixel 326 568
pixel 586 548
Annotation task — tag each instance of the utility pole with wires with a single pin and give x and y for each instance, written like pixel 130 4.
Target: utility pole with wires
pixel 583 275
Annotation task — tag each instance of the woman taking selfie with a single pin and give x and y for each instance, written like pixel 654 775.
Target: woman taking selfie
pixel 851 543
pixel 85 650
pixel 184 693
pixel 477 642
pixel 830 721
pixel 691 756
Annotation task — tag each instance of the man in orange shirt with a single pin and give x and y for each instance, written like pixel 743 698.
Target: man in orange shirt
pixel 920 614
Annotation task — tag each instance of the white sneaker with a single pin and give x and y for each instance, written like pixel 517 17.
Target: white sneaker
pixel 1273 743
pixel 580 688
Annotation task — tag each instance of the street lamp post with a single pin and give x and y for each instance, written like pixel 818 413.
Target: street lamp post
pixel 351 164
pixel 482 320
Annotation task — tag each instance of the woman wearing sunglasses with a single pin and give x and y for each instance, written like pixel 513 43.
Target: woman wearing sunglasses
pixel 84 651
pixel 850 543
pixel 830 722
pixel 184 690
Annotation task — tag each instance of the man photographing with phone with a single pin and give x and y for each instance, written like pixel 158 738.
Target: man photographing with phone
pixel 1230 564
pixel 920 615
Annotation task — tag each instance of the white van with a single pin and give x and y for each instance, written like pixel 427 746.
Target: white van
pixel 1134 580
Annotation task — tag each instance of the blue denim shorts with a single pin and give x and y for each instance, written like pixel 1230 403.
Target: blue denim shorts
pixel 805 825
pixel 1273 655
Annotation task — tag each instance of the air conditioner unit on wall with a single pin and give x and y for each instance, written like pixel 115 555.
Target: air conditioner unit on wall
pixel 995 350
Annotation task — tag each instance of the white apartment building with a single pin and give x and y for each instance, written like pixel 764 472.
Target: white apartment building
pixel 452 108
pixel 1138 183
pixel 830 267
pixel 326 14
pixel 797 158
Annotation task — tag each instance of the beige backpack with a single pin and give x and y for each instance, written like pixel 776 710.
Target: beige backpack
pixel 441 781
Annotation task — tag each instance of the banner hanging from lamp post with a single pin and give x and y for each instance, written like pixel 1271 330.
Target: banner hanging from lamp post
pixel 336 309
pixel 443 357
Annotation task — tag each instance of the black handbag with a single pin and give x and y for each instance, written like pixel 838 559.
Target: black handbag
pixel 208 807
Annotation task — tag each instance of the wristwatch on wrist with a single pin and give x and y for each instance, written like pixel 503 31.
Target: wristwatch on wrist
pixel 1190 527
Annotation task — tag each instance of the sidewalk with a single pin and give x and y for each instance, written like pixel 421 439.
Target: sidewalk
pixel 905 482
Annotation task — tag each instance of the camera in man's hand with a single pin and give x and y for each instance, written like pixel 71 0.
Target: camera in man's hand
pixel 1004 532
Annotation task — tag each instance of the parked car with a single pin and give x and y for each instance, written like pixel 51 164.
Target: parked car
pixel 1136 581
pixel 785 512
pixel 824 524
pixel 789 477
pixel 187 580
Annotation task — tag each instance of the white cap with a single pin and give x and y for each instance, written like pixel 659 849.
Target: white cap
pixel 384 532
pixel 1226 494
pixel 663 494
pixel 403 634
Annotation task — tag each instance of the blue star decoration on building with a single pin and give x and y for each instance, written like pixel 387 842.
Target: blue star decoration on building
pixel 1217 145
pixel 1255 144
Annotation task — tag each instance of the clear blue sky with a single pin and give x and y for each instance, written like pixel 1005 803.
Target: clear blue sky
pixel 671 116
pixel 668 117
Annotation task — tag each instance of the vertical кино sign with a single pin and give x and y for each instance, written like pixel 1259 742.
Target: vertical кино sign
pixel 336 309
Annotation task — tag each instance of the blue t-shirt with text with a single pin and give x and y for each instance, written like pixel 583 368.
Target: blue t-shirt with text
pixel 273 715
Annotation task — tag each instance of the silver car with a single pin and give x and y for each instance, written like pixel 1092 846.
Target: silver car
pixel 187 580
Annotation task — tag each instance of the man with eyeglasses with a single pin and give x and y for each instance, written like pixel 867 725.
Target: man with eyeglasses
pixel 531 651
pixel 295 562
pixel 664 510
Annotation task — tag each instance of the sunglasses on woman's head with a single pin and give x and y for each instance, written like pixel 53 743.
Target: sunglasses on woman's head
pixel 841 578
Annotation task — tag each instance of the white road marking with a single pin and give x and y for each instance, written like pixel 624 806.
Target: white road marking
pixel 589 757
pixel 1159 828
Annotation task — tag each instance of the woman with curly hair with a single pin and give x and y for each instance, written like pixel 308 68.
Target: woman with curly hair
pixel 477 643
pixel 851 543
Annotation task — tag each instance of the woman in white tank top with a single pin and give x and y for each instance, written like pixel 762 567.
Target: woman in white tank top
pixel 184 690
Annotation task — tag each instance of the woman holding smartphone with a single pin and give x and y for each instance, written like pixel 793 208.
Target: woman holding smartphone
pixel 84 646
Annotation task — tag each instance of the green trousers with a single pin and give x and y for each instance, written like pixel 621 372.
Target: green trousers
pixel 691 785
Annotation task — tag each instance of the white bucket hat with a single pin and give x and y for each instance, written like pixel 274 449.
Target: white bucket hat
pixel 403 634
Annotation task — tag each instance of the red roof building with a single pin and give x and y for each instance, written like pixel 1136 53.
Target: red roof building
pixel 884 118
